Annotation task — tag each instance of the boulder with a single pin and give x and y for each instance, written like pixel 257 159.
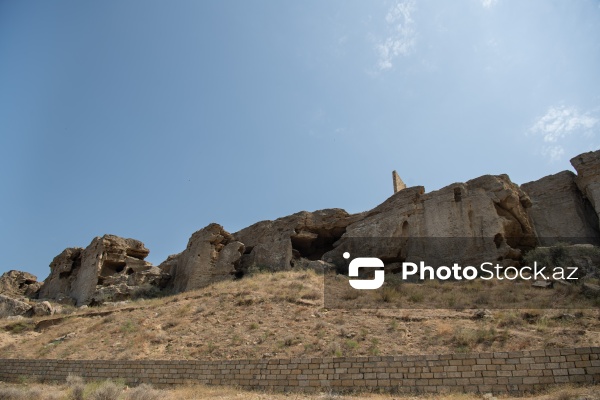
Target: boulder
pixel 11 307
pixel 18 283
pixel 43 308
pixel 587 166
pixel 82 274
pixel 212 255
pixel 560 212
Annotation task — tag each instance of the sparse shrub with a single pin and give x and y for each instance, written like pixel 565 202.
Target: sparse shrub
pixel 256 269
pixel 144 392
pixel 373 349
pixel 416 297
pixel 350 294
pixel 20 327
pixel 77 387
pixel 311 295
pixel 335 350
pixel 253 326
pixel 184 310
pixel 145 291
pixel 290 341
pixel 108 390
pixel 11 393
pixel 23 393
pixel 508 319
pixel 246 301
pixel 128 327
pixel 210 347
pixel 388 294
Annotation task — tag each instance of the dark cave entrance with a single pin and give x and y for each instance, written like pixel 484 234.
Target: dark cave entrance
pixel 312 244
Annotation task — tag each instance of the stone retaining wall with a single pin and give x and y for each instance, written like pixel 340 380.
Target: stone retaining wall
pixel 517 372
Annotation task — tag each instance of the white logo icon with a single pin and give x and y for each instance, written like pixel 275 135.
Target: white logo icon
pixel 365 262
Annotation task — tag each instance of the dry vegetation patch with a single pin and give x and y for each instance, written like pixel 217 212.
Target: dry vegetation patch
pixel 282 315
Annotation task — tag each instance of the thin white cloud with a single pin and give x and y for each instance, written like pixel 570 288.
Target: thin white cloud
pixel 488 3
pixel 401 34
pixel 553 153
pixel 559 124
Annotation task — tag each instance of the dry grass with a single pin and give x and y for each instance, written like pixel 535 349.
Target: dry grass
pixel 108 390
pixel 282 315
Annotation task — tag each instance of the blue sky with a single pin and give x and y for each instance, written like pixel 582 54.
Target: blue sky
pixel 151 119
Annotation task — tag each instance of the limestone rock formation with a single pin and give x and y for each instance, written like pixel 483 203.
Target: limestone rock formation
pixel 63 271
pixel 559 211
pixel 482 219
pixel 278 244
pixel 212 255
pixel 80 274
pixel 11 307
pixel 587 166
pixel 485 219
pixel 41 309
pixel 18 283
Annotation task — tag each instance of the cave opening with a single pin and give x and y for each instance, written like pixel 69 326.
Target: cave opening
pixel 314 243
pixel 112 267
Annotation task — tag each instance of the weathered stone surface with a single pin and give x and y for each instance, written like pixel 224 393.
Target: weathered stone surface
pixel 63 270
pixel 584 257
pixel 559 211
pixel 587 166
pixel 277 244
pixel 489 211
pixel 170 264
pixel 398 182
pixel 41 309
pixel 18 283
pixel 109 260
pixel 105 256
pixel 11 307
pixel 211 255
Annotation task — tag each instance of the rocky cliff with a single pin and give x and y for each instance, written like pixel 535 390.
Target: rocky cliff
pixel 493 217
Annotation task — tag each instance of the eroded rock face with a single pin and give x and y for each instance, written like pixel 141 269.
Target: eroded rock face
pixel 40 309
pixel 587 166
pixel 278 244
pixel 559 211
pixel 18 283
pixel 488 212
pixel 63 271
pixel 212 255
pixel 11 307
pixel 83 274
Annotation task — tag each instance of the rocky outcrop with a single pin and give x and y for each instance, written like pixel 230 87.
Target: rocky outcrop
pixel 11 307
pixel 81 275
pixel 212 255
pixel 482 219
pixel 559 211
pixel 485 219
pixel 18 283
pixel 63 271
pixel 41 309
pixel 279 244
pixel 587 166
